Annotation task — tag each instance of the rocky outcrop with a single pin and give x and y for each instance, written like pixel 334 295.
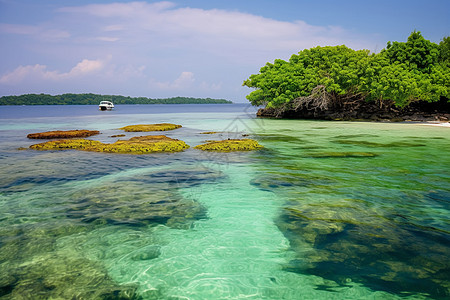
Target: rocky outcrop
pixel 135 145
pixel 150 127
pixel 230 145
pixel 61 134
pixel 329 108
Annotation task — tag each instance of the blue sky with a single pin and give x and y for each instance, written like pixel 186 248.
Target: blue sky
pixel 195 48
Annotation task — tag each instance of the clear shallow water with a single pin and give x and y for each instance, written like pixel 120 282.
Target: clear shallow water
pixel 329 210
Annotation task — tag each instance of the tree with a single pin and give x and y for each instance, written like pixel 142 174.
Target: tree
pixel 444 50
pixel 402 73
pixel 416 53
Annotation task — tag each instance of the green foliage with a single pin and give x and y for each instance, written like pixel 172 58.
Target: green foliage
pixel 416 53
pixel 94 99
pixel 444 50
pixel 403 72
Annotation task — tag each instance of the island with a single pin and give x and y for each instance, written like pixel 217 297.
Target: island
pixel 95 99
pixel 406 81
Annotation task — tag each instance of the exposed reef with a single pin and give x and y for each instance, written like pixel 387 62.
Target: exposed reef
pixel 61 134
pixel 150 127
pixel 230 145
pixel 135 145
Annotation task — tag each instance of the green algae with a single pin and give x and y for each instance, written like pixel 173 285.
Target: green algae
pixel 60 134
pixel 277 180
pixel 230 145
pixel 378 224
pixel 44 258
pixel 34 267
pixel 380 145
pixel 125 203
pixel 278 138
pixel 150 127
pixel 347 236
pixel 74 144
pixel 135 145
pixel 340 155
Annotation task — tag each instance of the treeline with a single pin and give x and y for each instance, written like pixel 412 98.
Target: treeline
pixel 94 99
pixel 402 73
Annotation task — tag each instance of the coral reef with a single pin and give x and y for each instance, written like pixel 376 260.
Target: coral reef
pixel 150 127
pixel 135 145
pixel 61 134
pixel 230 145
pixel 350 242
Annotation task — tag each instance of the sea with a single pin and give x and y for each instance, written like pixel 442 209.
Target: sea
pixel 326 210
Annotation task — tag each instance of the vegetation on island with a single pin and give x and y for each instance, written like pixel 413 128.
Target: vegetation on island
pixel 94 99
pixel 324 77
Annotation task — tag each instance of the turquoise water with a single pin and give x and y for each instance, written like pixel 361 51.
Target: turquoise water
pixel 328 210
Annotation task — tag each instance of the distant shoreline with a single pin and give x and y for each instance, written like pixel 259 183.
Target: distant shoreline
pixel 95 99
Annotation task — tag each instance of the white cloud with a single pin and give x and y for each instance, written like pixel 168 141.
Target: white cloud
pixel 127 10
pixel 225 33
pixel 86 66
pixel 184 81
pixel 114 27
pixel 19 29
pixel 41 72
pixel 150 42
pixel 38 32
pixel 107 39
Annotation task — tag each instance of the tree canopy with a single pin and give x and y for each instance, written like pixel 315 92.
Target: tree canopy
pixel 94 99
pixel 403 72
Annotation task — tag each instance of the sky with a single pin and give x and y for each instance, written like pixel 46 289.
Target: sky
pixel 192 48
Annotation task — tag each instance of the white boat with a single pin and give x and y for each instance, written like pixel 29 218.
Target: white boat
pixel 106 105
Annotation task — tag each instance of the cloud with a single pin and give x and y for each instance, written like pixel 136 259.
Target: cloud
pixel 184 81
pixel 225 33
pixel 125 10
pixel 150 42
pixel 38 32
pixel 41 72
pixel 107 39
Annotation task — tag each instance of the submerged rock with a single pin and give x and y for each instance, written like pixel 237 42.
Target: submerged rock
pixel 54 275
pixel 143 199
pixel 150 127
pixel 60 134
pixel 34 266
pixel 135 145
pixel 348 241
pixel 230 145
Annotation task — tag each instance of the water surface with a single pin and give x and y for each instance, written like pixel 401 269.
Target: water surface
pixel 328 210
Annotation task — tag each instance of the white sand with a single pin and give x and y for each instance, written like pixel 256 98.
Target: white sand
pixel 441 124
